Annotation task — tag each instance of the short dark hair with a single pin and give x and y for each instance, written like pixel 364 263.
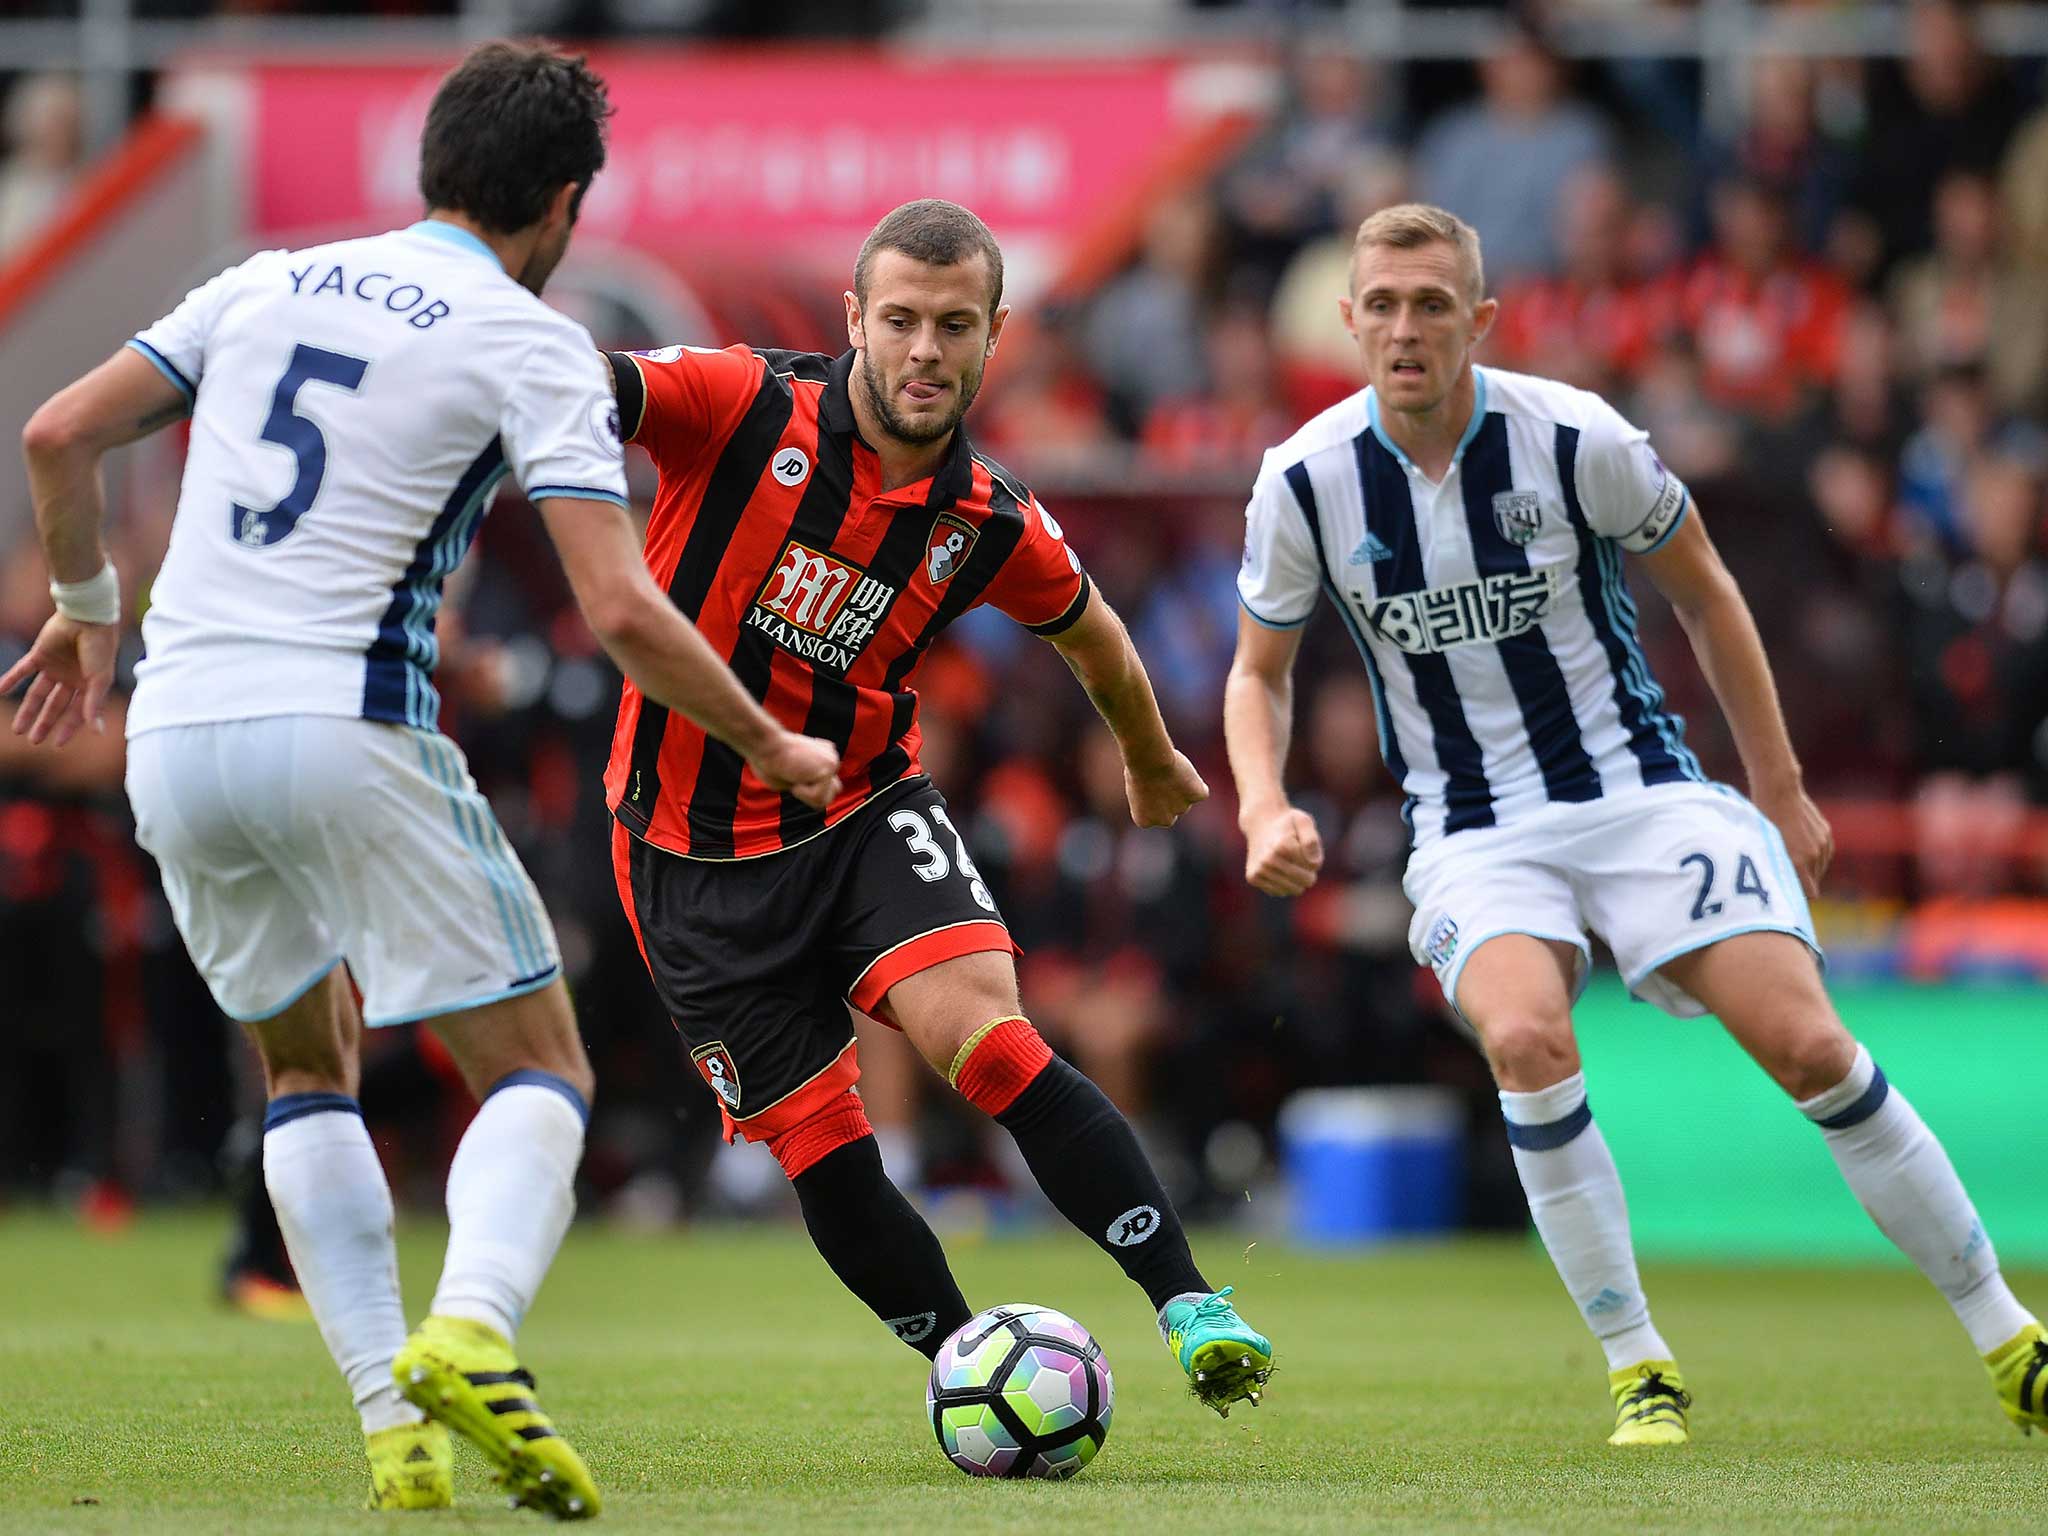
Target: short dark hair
pixel 936 232
pixel 511 124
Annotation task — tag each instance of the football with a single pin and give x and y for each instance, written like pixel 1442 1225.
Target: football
pixel 1020 1391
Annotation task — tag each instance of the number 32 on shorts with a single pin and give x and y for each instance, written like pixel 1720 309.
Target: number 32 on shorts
pixel 933 864
pixel 1747 883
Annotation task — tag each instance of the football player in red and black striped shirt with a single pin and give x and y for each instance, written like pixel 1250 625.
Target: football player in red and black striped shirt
pixel 820 521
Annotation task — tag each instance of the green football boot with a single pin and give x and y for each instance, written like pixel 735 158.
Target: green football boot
pixel 1225 1360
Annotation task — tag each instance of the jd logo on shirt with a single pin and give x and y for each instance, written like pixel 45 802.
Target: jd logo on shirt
pixel 791 465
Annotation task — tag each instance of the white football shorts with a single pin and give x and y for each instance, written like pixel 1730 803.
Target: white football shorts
pixel 293 842
pixel 1656 872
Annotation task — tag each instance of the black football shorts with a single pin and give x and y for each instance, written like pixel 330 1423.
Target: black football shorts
pixel 756 959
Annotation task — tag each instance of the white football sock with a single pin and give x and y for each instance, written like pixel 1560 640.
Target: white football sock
pixel 1904 1179
pixel 511 1192
pixel 335 1211
pixel 1575 1197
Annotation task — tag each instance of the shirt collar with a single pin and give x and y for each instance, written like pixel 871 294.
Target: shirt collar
pixel 1372 416
pixel 837 406
pixel 951 482
pixel 457 236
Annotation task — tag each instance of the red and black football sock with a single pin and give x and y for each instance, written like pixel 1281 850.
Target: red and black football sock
pixel 1083 1153
pixel 873 1238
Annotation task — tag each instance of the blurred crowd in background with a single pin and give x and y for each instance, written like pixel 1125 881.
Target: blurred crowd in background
pixel 1833 323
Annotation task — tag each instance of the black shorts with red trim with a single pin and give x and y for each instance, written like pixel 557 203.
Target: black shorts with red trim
pixel 757 959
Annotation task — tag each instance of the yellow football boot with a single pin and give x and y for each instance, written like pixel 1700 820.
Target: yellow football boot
pixel 464 1374
pixel 1649 1404
pixel 412 1466
pixel 2019 1373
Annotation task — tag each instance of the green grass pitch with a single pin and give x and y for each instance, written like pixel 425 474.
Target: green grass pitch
pixel 720 1381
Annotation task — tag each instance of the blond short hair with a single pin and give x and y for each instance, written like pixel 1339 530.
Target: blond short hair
pixel 1406 226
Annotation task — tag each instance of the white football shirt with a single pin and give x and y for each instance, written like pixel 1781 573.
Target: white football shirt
pixel 354 407
pixel 1490 608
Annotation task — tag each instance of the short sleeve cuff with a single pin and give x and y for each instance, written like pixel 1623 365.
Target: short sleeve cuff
pixel 1265 623
pixel 164 366
pixel 1665 519
pixel 630 386
pixel 1069 616
pixel 576 493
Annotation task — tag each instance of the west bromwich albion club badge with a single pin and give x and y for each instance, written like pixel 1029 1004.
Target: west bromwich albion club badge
pixel 1518 515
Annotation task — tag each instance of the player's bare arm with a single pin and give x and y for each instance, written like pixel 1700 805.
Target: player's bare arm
pixel 662 652
pixel 72 662
pixel 1283 854
pixel 1159 781
pixel 1689 572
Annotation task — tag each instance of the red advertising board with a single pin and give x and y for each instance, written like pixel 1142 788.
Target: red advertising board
pixel 796 154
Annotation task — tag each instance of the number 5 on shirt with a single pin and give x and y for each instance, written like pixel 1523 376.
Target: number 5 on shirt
pixel 302 435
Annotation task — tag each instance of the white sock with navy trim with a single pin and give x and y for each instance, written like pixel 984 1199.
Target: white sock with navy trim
pixel 1575 1197
pixel 1903 1178
pixel 334 1209
pixel 511 1193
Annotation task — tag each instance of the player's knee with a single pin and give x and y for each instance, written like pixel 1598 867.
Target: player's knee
pixel 1530 1049
pixel 997 1063
pixel 941 1036
pixel 941 1008
pixel 1813 1058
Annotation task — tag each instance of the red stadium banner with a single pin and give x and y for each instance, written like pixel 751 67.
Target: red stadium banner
pixel 794 156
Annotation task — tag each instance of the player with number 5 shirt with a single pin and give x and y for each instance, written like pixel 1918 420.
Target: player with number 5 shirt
pixel 354 405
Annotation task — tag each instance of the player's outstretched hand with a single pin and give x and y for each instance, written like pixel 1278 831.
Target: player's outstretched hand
pixel 1161 796
pixel 1809 840
pixel 803 766
pixel 1284 853
pixel 72 667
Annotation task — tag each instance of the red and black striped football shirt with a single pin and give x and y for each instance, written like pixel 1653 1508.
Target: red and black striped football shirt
pixel 823 592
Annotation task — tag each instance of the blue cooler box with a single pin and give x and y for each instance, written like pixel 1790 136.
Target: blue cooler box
pixel 1367 1164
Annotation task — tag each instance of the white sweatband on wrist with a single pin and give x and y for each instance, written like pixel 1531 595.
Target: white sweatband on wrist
pixel 96 600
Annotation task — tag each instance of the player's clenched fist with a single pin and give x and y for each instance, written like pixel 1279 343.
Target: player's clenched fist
pixel 1161 796
pixel 803 766
pixel 1285 853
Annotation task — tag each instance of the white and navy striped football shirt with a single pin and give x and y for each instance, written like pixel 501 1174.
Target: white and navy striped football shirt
pixel 1490 609
pixel 354 407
